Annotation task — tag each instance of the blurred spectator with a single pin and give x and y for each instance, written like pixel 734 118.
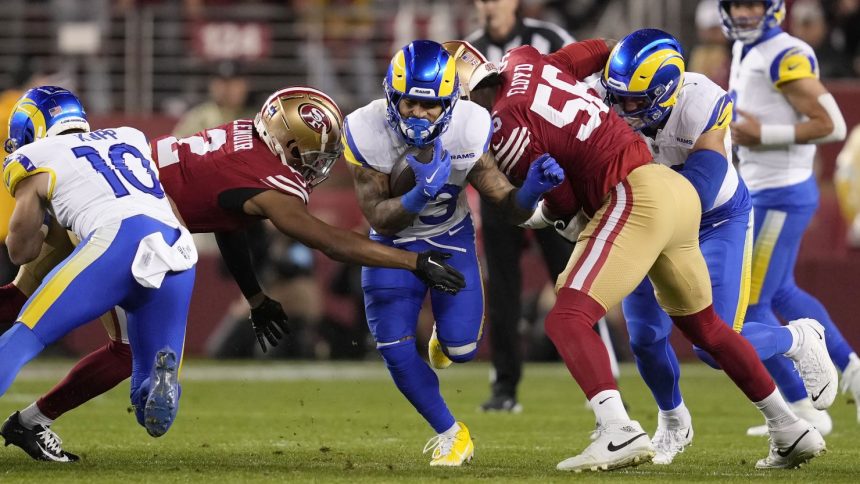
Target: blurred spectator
pixel 844 17
pixel 228 100
pixel 711 55
pixel 808 23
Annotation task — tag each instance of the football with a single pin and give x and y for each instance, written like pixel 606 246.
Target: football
pixel 402 178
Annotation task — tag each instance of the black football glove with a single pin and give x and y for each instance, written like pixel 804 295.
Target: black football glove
pixel 433 270
pixel 269 322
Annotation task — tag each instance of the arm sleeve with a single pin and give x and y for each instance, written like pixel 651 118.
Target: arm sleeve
pixel 581 59
pixel 237 255
pixel 706 169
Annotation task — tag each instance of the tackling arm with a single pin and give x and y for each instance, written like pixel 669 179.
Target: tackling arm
pixel 582 59
pixel 25 226
pixel 386 215
pixel 237 255
pixel 292 218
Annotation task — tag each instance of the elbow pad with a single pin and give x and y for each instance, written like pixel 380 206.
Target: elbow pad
pixel 839 128
pixel 706 169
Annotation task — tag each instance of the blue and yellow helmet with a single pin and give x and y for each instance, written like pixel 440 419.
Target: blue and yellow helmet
pixel 424 71
pixel 44 111
pixel 647 65
pixel 750 30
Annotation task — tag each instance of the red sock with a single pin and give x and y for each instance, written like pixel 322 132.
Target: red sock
pixel 11 302
pixel 570 326
pixel 735 354
pixel 95 374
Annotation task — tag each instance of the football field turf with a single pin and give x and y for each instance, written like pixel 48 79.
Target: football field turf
pixel 346 422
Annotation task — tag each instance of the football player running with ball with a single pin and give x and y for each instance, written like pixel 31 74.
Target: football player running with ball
pixel 222 180
pixel 644 220
pixel 685 119
pixel 421 110
pixel 783 111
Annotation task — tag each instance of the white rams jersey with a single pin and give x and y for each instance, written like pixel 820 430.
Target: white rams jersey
pixel 96 178
pixel 701 106
pixel 370 142
pixel 755 84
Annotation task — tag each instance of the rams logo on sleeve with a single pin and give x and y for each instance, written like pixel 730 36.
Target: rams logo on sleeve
pixel 792 64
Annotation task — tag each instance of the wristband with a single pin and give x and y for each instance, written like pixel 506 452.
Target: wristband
pixel 777 134
pixel 414 200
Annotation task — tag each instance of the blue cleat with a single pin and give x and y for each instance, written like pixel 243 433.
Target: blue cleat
pixel 163 401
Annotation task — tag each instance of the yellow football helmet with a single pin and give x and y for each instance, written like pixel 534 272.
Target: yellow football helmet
pixel 303 127
pixel 472 66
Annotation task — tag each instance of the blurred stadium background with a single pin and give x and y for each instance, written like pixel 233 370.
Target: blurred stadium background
pixel 181 65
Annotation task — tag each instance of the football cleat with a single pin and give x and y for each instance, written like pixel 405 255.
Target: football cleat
pixel 616 445
pixel 851 381
pixel 451 451
pixel 793 446
pixel 501 403
pixel 673 435
pixel 813 363
pixel 163 400
pixel 819 419
pixel 438 358
pixel 40 442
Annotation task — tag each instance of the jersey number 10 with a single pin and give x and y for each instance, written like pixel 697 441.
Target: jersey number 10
pixel 117 154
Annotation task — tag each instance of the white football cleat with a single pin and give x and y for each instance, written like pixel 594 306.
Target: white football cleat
pixel 819 419
pixel 617 444
pixel 673 435
pixel 813 363
pixel 851 381
pixel 792 446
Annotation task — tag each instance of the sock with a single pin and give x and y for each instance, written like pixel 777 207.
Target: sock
pixel 95 374
pixel 570 327
pixel 769 341
pixel 796 340
pixel 680 414
pixel 781 368
pixel 608 407
pixel 734 353
pixel 659 368
pixel 31 417
pixel 776 411
pixel 451 432
pixel 418 383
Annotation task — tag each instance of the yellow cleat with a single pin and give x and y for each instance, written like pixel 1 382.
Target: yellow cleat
pixel 438 358
pixel 451 451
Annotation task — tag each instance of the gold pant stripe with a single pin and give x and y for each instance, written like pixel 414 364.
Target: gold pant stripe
pixel 763 250
pixel 746 276
pixel 52 289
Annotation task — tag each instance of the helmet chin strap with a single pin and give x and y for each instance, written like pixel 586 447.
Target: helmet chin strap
pixel 273 145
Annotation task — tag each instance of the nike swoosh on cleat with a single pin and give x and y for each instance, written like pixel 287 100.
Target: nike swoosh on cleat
pixel 454 231
pixel 784 453
pixel 612 447
pixel 605 399
pixel 432 176
pixel 819 334
pixel 816 397
pixel 688 433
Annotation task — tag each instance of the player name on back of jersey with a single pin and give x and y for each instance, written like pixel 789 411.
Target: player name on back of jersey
pixel 521 80
pixel 243 134
pixel 97 135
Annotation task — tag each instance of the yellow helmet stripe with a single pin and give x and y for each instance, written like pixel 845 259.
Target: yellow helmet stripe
pixel 28 107
pixel 449 73
pixel 643 75
pixel 398 72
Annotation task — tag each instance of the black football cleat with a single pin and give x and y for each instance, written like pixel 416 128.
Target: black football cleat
pixel 501 403
pixel 40 442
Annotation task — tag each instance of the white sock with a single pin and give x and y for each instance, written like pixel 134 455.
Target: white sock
pixel 451 432
pixel 32 416
pixel 776 411
pixel 679 413
pixel 608 407
pixel 796 339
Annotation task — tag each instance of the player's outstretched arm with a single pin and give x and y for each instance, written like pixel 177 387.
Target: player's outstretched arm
pixel 25 226
pixel 292 218
pixel 517 203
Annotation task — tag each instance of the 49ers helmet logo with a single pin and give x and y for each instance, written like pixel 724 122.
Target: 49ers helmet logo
pixel 315 118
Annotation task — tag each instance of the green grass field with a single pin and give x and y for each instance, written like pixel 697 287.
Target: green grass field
pixel 275 422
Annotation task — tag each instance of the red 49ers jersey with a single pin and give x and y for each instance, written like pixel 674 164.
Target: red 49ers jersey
pixel 544 107
pixel 197 172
